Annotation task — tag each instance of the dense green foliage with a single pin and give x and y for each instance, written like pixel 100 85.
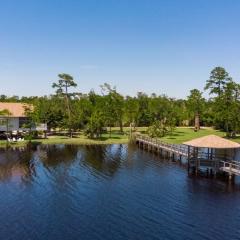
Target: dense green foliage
pixel 94 112
pixel 195 105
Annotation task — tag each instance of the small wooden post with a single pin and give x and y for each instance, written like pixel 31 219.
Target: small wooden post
pixel 230 173
pixel 230 177
pixel 196 156
pixel 215 167
pixel 211 156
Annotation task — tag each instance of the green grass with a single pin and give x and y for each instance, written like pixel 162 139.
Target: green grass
pixel 178 136
pixel 3 144
pixel 116 138
pixel 182 134
pixel 81 139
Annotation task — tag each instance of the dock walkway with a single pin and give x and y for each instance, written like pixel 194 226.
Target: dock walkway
pixel 153 144
pixel 232 168
pixel 158 145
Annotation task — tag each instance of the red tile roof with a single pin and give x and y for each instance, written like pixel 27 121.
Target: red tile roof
pixel 15 109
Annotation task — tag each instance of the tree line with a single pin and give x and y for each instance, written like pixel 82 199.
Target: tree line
pixel 73 111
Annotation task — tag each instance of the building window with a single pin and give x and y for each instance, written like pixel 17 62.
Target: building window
pixel 24 122
pixel 3 122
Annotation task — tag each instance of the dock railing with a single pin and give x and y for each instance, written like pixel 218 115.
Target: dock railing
pixel 155 142
pixel 182 149
pixel 231 167
pixel 218 161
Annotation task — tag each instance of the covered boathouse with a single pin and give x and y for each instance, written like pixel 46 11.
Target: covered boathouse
pixel 213 154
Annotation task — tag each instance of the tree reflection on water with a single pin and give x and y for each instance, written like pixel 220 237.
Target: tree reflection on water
pixel 17 164
pixel 21 164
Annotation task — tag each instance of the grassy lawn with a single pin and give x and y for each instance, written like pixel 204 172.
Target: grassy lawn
pixel 179 135
pixel 116 138
pixel 3 144
pixel 81 139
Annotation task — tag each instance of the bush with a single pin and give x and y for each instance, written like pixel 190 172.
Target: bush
pixel 160 129
pixel 94 128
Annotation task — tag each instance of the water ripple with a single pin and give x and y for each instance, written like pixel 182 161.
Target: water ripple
pixel 110 192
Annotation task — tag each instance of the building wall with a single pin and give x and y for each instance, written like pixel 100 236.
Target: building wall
pixel 17 123
pixel 13 123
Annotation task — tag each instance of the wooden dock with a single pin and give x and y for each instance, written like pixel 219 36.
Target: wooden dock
pixel 194 158
pixel 157 145
pixel 232 168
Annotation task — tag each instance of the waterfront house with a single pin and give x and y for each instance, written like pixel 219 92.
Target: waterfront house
pixel 14 117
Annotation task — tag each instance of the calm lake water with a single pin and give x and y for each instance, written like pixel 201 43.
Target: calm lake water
pixel 110 192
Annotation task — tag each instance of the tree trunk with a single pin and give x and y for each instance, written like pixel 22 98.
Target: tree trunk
pixel 110 131
pixel 121 126
pixel 197 122
pixel 227 130
pixel 69 115
pixel 45 134
pixel 7 125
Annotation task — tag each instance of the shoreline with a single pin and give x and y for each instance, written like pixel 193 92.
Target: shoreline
pixel 179 135
pixel 74 141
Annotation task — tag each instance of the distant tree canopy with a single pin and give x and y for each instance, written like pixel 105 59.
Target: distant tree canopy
pixel 219 77
pixel 195 105
pixel 93 112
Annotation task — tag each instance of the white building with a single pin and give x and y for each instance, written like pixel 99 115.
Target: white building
pixel 13 117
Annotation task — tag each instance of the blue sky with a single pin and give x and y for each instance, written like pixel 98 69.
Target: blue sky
pixel 163 46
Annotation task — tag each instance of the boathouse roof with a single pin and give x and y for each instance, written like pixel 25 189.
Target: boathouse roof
pixel 15 109
pixel 212 141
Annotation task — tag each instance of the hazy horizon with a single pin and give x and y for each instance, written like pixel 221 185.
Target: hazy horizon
pixel 162 47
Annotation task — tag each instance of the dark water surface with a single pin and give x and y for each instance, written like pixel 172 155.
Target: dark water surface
pixel 110 192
